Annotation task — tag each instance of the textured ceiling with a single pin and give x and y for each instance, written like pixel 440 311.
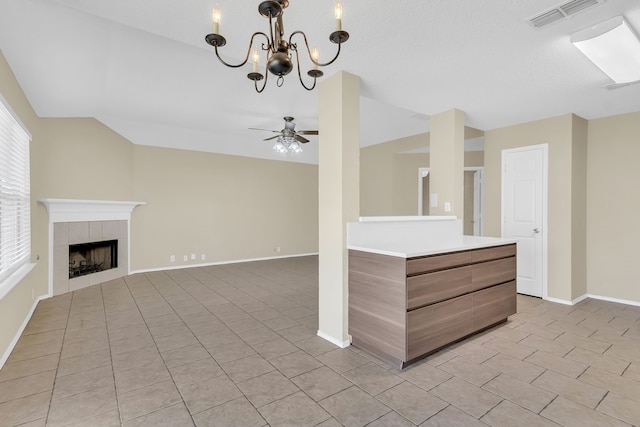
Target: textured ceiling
pixel 142 67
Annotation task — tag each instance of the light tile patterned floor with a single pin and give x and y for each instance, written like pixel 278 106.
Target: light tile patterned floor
pixel 236 345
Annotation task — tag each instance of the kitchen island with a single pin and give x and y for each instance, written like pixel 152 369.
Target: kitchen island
pixel 416 285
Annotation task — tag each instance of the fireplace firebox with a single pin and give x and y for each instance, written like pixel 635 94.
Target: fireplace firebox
pixel 88 258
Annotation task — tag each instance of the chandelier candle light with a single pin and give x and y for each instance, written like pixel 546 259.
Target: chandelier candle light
pixel 279 52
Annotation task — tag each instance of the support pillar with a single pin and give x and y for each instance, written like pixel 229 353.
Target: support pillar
pixel 447 163
pixel 339 198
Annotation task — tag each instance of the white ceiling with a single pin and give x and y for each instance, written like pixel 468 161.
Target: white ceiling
pixel 142 67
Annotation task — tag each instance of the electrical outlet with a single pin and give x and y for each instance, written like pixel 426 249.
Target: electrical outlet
pixel 276 249
pixel 186 258
pixel 193 257
pixel 203 257
pixel 172 258
pixel 447 207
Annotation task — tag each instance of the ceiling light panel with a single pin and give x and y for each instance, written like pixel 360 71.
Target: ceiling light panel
pixel 613 47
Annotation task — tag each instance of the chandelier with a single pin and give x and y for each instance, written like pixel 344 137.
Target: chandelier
pixel 279 51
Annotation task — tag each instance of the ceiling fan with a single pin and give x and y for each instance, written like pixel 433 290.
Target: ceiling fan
pixel 289 132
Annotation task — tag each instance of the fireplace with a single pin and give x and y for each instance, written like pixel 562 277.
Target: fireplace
pixel 88 242
pixel 92 257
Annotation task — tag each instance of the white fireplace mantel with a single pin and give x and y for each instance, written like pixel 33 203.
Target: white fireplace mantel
pixel 73 210
pixel 76 210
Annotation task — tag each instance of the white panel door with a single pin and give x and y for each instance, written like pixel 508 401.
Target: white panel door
pixel 523 213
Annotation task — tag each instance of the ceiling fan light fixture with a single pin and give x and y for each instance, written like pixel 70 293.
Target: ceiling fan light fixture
pixel 279 147
pixel 288 139
pixel 286 145
pixel 294 147
pixel 613 47
pixel 280 53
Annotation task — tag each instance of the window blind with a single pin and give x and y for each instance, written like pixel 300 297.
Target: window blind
pixel 15 203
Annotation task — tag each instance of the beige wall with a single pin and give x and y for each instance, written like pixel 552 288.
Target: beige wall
pixel 557 132
pixel 613 203
pixel 225 207
pixel 83 159
pixel 379 185
pixel 389 178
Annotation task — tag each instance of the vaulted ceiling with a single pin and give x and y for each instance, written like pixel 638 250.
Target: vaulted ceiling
pixel 142 67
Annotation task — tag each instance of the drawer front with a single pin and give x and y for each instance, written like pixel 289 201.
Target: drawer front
pixel 491 273
pixel 437 325
pixel 494 305
pixel 437 262
pixel 494 252
pixel 438 286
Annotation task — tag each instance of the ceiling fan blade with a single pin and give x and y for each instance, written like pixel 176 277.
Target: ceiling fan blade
pixel 273 137
pixel 308 132
pixel 301 139
pixel 266 130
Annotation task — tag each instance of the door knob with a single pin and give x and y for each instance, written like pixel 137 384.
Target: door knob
pixel 536 230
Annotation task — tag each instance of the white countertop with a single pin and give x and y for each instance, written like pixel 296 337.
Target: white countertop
pixel 439 244
pixel 421 218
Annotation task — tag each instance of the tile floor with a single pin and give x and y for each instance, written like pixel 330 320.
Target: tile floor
pixel 236 345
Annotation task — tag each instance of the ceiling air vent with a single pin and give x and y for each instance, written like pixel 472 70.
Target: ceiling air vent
pixel 546 18
pixel 562 11
pixel 575 6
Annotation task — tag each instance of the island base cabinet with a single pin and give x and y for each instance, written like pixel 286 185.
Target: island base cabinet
pixel 494 305
pixel 437 325
pixel 403 309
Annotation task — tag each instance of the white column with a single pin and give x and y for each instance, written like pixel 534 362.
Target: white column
pixel 446 176
pixel 339 198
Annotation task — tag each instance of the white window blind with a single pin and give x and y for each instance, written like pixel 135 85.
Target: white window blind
pixel 15 203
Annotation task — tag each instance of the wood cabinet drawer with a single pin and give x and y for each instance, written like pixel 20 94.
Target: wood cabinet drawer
pixel 437 262
pixel 494 252
pixel 437 325
pixel 491 273
pixel 438 286
pixel 493 305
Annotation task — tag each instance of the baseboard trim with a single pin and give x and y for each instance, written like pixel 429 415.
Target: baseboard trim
pixel 332 340
pixel 558 300
pixel 579 299
pixel 598 297
pixel 13 343
pixel 616 300
pixel 209 264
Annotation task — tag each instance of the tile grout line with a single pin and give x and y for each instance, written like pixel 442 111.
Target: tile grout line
pixel 55 378
pixel 113 371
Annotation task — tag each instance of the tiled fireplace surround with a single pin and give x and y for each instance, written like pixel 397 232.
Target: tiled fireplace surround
pixel 82 221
